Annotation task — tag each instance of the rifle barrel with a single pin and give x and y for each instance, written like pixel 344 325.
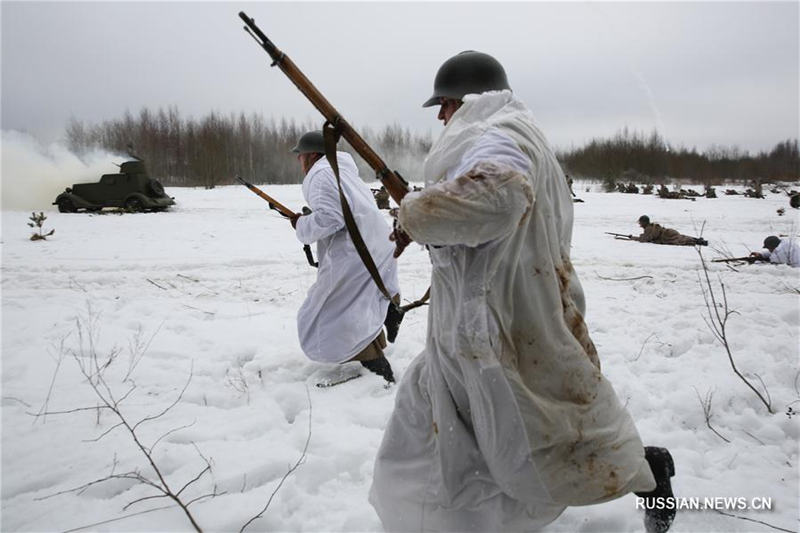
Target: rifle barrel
pixel 394 183
pixel 620 235
pixel 272 201
pixel 748 259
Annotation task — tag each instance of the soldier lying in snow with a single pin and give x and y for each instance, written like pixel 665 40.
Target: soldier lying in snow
pixel 779 251
pixel 658 234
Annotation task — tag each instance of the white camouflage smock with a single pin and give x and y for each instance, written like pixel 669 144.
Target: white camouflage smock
pixel 505 418
pixel 344 310
pixel 786 253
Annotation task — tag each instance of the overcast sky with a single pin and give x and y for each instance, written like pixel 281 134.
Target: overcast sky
pixel 700 73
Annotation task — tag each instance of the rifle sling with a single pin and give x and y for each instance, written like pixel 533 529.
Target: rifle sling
pixel 331 138
pixel 330 135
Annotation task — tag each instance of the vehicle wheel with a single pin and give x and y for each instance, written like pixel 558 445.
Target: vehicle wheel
pixel 65 205
pixel 134 205
pixel 156 187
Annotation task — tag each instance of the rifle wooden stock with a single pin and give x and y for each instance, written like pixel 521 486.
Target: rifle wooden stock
pixel 275 204
pixel 395 185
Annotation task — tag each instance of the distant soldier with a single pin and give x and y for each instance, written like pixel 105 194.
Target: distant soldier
pixel 756 191
pixel 711 192
pixel 794 200
pixel 657 234
pixel 780 251
pixel 663 192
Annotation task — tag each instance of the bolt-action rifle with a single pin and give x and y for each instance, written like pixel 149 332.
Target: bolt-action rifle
pixel 621 236
pixel 394 183
pixel 284 211
pixel 747 258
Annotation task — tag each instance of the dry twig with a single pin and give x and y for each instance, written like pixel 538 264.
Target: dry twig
pixel 708 412
pixel 93 368
pixel 717 321
pixel 156 284
pixel 753 520
pixel 300 461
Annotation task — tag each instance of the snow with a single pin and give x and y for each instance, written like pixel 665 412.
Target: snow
pixel 207 294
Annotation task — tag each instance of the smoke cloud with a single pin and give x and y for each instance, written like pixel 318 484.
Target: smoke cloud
pixel 34 174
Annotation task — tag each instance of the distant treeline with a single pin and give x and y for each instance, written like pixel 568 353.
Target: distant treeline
pixel 212 150
pixel 642 158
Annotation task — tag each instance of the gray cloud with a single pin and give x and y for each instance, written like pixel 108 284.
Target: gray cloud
pixel 702 73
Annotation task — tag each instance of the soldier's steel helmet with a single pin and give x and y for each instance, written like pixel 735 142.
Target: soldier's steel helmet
pixel 644 219
pixel 771 242
pixel 469 72
pixel 310 143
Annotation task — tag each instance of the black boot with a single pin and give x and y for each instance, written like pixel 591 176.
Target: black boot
pixel 381 367
pixel 394 315
pixel 659 503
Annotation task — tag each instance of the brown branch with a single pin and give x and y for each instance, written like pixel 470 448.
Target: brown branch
pixel 138 351
pixel 708 413
pixel 69 411
pixel 753 520
pixel 84 486
pixel 754 437
pixel 103 434
pixel 139 500
pixel 93 370
pixel 642 348
pixel 59 360
pixel 170 432
pixel 201 310
pixel 300 461
pixel 15 399
pixel 205 496
pixel 198 476
pixel 156 284
pixel 173 404
pixel 79 528
pixel 719 314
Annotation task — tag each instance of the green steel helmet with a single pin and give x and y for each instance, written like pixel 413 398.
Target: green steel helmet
pixel 469 72
pixel 310 143
pixel 771 242
pixel 644 219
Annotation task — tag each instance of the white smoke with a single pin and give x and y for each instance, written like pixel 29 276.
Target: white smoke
pixel 33 175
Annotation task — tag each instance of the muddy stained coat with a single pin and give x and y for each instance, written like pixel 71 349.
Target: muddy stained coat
pixel 343 310
pixel 657 234
pixel 505 418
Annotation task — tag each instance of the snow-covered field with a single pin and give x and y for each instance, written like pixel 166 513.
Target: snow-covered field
pixel 205 297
